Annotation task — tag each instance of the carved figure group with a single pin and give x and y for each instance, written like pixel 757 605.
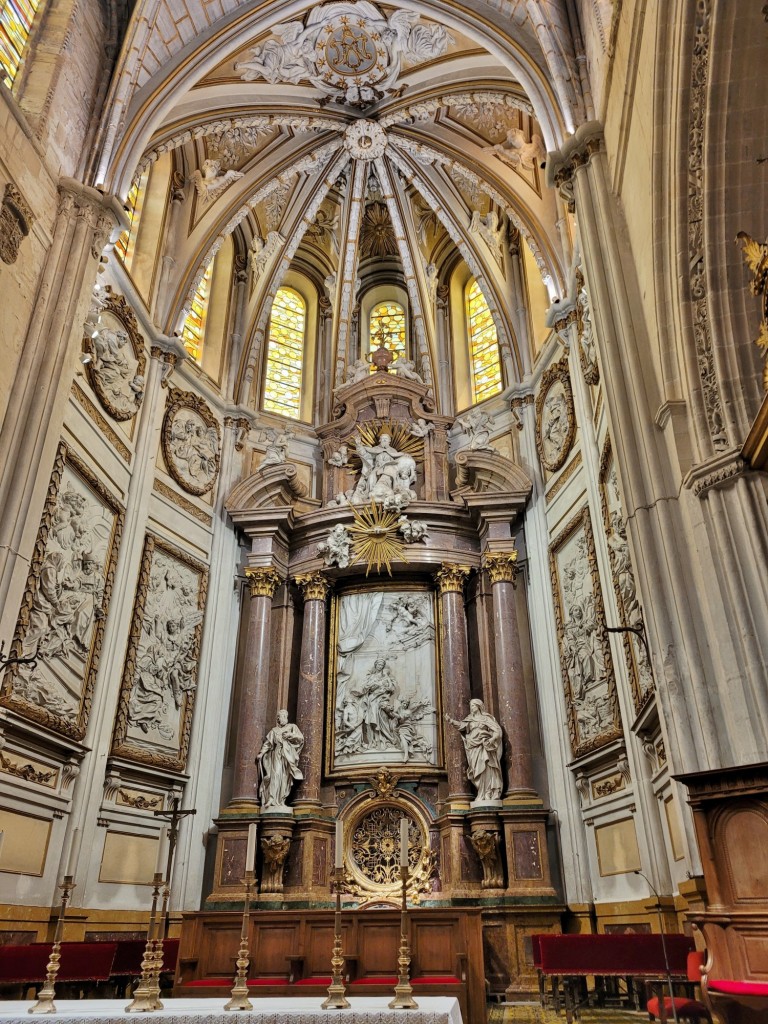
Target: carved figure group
pixel 277 446
pixel 477 425
pixel 387 475
pixel 482 738
pixel 195 447
pixel 122 386
pixel 278 762
pixel 335 549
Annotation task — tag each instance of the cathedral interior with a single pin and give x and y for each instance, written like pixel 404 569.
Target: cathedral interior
pixel 384 435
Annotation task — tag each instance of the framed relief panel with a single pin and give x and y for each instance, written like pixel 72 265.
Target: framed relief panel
pixel 555 417
pixel 61 621
pixel 191 442
pixel 630 610
pixel 157 695
pixel 118 361
pixel 383 701
pixel 585 655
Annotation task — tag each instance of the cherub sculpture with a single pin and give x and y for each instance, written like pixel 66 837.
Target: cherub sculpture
pixel 210 182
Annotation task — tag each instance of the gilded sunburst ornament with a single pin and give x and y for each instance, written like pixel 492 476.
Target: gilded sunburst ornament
pixel 377 237
pixel 375 537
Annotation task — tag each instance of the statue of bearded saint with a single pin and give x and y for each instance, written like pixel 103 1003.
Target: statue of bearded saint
pixel 278 762
pixel 387 475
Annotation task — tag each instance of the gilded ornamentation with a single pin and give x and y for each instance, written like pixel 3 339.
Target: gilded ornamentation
pixel 263 581
pixel 756 258
pixel 608 786
pixel 118 360
pixel 555 416
pixel 373 853
pixel 501 567
pixel 275 850
pixel 486 846
pixel 15 221
pixel 377 233
pixel 159 683
pixel 191 442
pixel 313 585
pixel 66 600
pixel 139 801
pixel 375 537
pixel 559 482
pixel 28 772
pixel 451 578
pixel 585 654
pixel 383 783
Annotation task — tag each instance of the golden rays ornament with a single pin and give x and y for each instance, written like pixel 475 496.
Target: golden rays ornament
pixel 399 434
pixel 375 537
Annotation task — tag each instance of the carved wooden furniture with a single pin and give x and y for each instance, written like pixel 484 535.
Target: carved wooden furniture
pixel 730 811
pixel 686 1009
pixel 291 950
pixel 571 958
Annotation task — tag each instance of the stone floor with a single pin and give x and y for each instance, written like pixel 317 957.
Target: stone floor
pixel 532 1013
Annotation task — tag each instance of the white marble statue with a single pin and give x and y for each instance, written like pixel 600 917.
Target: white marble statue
pixel 339 458
pixel 387 475
pixel 119 380
pixel 517 152
pixel 262 250
pixel 413 530
pixel 477 425
pixel 405 368
pixel 278 762
pixel 277 446
pixel 421 427
pixel 210 182
pixel 335 549
pixel 482 738
pixel 358 371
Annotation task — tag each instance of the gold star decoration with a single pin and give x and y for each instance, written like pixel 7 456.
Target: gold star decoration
pixel 375 538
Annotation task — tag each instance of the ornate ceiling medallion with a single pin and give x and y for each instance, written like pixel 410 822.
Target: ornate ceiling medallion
pixel 377 237
pixel 350 52
pixel 365 140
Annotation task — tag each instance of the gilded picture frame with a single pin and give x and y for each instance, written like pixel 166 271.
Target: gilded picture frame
pixel 555 416
pixel 159 680
pixel 66 600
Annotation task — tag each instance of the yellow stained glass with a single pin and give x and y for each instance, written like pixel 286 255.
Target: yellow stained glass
pixel 387 325
pixel 134 202
pixel 285 354
pixel 193 330
pixel 16 17
pixel 484 356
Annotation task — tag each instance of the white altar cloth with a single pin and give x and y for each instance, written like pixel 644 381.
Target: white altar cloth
pixel 289 1010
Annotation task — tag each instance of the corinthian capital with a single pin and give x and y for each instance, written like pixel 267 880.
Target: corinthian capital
pixel 263 581
pixel 313 585
pixel 501 566
pixel 451 578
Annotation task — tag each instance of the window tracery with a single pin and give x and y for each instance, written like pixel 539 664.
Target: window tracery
pixel 387 327
pixel 285 354
pixel 16 17
pixel 484 357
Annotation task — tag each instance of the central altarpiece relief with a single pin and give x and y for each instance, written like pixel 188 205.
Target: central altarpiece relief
pixel 384 697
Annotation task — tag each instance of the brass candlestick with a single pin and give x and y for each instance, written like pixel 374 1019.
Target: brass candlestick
pixel 160 930
pixel 147 996
pixel 45 1003
pixel 403 992
pixel 336 1000
pixel 239 999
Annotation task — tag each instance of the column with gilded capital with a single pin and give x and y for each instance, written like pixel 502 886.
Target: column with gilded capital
pixel 251 715
pixel 455 664
pixel 310 699
pixel 502 569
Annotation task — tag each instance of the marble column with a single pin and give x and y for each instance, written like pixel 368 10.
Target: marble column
pixel 309 706
pixel 251 714
pixel 502 571
pixel 455 664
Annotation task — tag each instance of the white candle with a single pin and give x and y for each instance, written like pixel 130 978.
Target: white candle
pixel 404 842
pixel 339 862
pixel 250 851
pixel 74 852
pixel 161 853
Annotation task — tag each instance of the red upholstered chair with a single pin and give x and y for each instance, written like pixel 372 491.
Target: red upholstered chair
pixel 686 1009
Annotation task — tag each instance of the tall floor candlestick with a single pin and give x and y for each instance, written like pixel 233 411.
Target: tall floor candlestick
pixel 239 998
pixel 403 992
pixel 146 998
pixel 45 1003
pixel 336 999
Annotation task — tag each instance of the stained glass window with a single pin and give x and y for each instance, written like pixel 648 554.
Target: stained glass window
pixel 193 330
pixel 485 363
pixel 285 354
pixel 126 243
pixel 16 17
pixel 387 324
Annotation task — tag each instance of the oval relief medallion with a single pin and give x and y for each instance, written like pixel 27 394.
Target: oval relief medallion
pixel 191 442
pixel 555 418
pixel 118 360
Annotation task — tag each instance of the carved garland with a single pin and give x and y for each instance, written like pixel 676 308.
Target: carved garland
pixel 556 375
pixel 75 729
pixel 614 731
pixel 15 221
pixel 121 745
pixel 178 401
pixel 119 308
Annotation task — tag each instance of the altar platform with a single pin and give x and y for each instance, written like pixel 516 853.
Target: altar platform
pixel 294 1010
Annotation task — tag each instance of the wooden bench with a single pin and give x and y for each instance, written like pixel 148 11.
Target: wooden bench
pixel 291 952
pixel 572 958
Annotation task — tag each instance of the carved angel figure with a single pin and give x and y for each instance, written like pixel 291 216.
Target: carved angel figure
pixel 262 250
pixel 488 228
pixel 756 258
pixel 210 182
pixel 421 427
pixel 334 550
pixel 516 152
pixel 413 530
pixel 358 371
pixel 477 425
pixel 112 368
pixel 405 368
pixel 277 446
pixel 482 738
pixel 287 58
pixel 339 458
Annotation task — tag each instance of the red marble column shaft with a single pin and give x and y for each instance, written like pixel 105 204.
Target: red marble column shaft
pixel 251 714
pixel 510 678
pixel 311 693
pixel 455 666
